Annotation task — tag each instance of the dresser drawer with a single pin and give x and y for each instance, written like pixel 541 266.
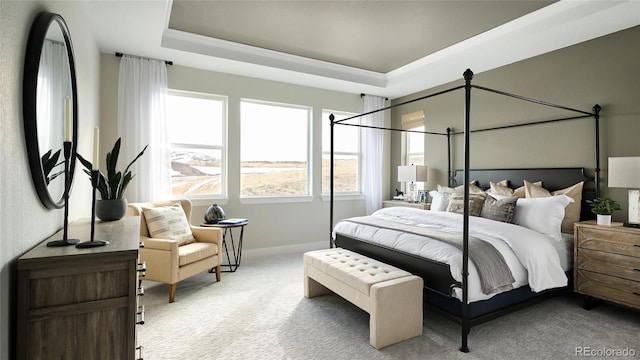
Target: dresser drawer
pixel 618 242
pixel 623 266
pixel 622 291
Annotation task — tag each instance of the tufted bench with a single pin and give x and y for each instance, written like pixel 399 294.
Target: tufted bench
pixel 392 297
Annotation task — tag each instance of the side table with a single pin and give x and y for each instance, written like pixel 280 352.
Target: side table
pixel 236 248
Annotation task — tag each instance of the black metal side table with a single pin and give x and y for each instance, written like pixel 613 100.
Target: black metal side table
pixel 236 247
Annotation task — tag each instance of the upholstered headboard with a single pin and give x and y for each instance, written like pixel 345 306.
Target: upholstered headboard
pixel 552 179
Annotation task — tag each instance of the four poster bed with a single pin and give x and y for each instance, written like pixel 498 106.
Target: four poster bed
pixel 524 262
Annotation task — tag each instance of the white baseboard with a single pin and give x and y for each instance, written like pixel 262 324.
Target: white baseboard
pixel 286 249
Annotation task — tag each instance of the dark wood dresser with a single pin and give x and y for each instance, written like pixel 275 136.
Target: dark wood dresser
pixel 80 303
pixel 607 262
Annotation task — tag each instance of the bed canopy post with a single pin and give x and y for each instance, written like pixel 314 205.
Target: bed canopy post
pixel 596 110
pixel 331 126
pixel 449 178
pixel 468 75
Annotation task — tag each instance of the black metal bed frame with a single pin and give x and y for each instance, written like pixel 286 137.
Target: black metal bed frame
pixel 437 276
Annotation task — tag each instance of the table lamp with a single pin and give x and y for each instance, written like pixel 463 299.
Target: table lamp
pixel 412 174
pixel 624 172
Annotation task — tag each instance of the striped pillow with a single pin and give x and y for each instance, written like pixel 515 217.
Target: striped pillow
pixel 169 222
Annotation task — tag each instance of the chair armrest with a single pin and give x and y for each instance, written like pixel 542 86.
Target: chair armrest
pixel 207 234
pixel 159 244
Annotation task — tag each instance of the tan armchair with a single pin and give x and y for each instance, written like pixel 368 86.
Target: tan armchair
pixel 169 262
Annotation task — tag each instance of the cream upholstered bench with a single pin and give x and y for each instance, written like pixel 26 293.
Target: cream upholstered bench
pixel 392 297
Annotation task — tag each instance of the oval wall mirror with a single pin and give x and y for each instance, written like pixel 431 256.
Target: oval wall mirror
pixel 49 97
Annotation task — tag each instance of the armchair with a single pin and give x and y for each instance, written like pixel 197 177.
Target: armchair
pixel 170 261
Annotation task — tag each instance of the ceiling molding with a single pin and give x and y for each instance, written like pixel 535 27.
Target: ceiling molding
pixel 204 45
pixel 142 29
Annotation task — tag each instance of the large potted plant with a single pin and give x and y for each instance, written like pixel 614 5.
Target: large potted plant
pixel 603 208
pixel 112 204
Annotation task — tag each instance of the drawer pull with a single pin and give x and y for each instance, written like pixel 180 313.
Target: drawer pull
pixel 139 349
pixel 141 290
pixel 141 244
pixel 142 269
pixel 636 293
pixel 636 269
pixel 140 315
pixel 636 245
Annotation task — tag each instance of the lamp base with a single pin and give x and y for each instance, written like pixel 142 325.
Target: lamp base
pixel 631 225
pixel 64 242
pixel 92 243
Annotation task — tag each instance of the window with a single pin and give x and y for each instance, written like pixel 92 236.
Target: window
pixel 414 141
pixel 196 125
pixel 415 147
pixel 274 149
pixel 347 154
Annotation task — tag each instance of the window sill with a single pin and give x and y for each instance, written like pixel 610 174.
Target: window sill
pixel 275 199
pixel 345 197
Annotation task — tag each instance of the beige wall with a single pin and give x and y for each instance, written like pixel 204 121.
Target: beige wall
pixel 24 222
pixel 603 71
pixel 273 224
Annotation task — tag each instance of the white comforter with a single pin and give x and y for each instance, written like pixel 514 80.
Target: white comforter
pixel 531 256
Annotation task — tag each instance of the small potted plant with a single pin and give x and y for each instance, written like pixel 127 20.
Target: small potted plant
pixel 112 205
pixel 603 208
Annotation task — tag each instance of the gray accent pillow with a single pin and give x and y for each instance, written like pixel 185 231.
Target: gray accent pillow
pixel 476 201
pixel 499 210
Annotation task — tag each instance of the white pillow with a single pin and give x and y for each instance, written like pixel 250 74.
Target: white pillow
pixel 439 200
pixel 543 215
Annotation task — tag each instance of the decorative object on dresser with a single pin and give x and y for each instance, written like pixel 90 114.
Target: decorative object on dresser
pixel 173 248
pixel 603 208
pixel 80 304
pixel 94 182
pixel 112 204
pixel 607 263
pixel 624 172
pixel 67 185
pixel 412 174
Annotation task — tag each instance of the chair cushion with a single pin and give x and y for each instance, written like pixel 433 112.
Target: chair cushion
pixel 169 222
pixel 196 251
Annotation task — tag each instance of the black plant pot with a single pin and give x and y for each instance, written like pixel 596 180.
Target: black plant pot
pixel 111 210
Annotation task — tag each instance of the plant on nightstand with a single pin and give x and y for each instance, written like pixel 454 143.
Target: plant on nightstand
pixel 603 208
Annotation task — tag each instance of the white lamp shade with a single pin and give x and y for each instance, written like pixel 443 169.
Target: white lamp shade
pixel 412 173
pixel 624 172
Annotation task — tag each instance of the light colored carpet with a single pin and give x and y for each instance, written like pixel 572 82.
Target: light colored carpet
pixel 259 312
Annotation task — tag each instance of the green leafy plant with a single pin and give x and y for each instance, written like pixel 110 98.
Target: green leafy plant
pixel 603 206
pixel 48 163
pixel 115 183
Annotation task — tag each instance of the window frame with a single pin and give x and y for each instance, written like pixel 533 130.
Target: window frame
pixel 359 154
pixel 223 147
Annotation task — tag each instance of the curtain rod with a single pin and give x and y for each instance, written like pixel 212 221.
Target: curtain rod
pixel 119 54
pixel 363 94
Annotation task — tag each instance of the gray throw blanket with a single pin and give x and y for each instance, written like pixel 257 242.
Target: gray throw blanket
pixel 495 275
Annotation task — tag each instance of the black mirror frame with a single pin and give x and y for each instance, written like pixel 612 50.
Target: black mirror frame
pixel 35 42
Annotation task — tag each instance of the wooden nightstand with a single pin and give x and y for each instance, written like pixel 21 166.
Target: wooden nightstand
pixel 607 263
pixel 392 203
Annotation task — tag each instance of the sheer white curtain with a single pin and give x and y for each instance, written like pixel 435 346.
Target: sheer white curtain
pixel 142 94
pixel 54 85
pixel 373 141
